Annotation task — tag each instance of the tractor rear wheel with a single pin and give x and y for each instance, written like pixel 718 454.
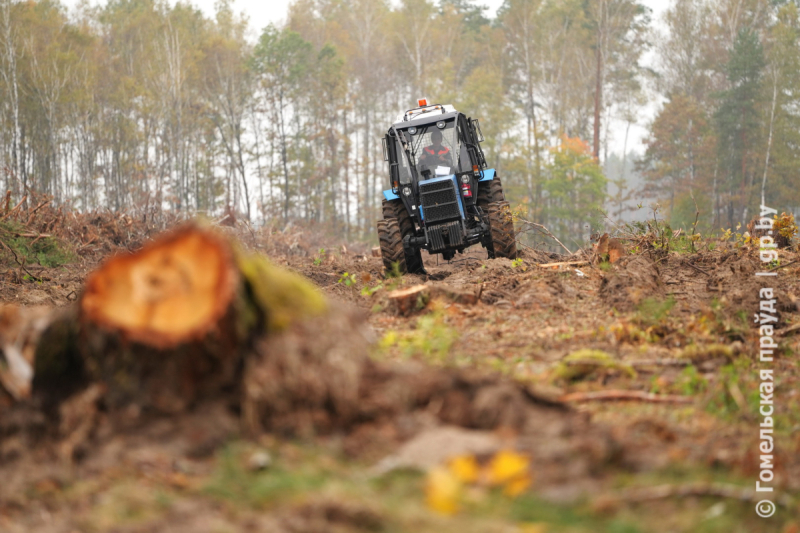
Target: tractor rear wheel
pixel 394 209
pixel 490 191
pixel 504 240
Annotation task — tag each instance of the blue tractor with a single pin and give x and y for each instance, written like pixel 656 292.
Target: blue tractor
pixel 442 198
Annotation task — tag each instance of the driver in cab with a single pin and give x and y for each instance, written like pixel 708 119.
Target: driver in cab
pixel 436 154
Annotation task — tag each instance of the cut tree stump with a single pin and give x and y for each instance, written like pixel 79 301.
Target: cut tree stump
pixel 409 300
pixel 376 251
pixel 174 291
pixel 169 324
pixel 412 299
pixel 609 248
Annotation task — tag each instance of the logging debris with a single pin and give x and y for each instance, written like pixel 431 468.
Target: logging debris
pixel 262 342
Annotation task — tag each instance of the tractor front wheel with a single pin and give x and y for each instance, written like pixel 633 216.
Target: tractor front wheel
pixel 392 249
pixel 504 240
pixel 395 210
pixel 392 245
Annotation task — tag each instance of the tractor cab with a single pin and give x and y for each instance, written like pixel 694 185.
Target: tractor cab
pixel 433 141
pixel 441 190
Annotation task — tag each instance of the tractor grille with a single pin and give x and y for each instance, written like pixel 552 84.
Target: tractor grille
pixel 439 200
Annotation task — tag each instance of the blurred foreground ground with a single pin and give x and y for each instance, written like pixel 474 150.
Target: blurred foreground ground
pixel 679 325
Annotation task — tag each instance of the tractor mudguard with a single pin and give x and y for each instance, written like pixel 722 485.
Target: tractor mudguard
pixel 390 195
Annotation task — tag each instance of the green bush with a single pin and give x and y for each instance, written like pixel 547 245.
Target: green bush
pixel 46 251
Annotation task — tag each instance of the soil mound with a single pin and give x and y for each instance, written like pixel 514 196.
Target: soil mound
pixel 630 282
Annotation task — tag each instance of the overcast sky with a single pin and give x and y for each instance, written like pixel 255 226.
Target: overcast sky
pixel 262 12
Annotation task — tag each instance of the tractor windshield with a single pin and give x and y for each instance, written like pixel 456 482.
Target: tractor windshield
pixel 436 151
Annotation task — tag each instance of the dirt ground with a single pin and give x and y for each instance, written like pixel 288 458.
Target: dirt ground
pixel 678 326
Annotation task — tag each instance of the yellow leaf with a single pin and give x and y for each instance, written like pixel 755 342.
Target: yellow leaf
pixel 517 486
pixel 390 339
pixel 464 468
pixel 442 491
pixel 507 465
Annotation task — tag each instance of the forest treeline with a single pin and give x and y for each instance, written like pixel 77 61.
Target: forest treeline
pixel 136 103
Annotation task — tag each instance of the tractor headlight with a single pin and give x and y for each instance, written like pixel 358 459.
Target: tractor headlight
pixel 440 124
pixel 407 191
pixel 412 130
pixel 465 178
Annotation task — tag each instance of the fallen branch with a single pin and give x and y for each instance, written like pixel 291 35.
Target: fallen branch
pixel 563 263
pixel 32 235
pixel 659 362
pixel 610 395
pixel 89 242
pixel 221 220
pixel 782 266
pixel 719 490
pixel 698 269
pixel 33 212
pixel 20 263
pixel 547 232
pixel 790 330
pixel 15 208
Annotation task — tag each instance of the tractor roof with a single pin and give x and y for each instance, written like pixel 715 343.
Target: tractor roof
pixel 426 111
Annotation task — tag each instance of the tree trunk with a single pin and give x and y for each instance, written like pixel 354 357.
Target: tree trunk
pixel 598 101
pixel 11 80
pixel 284 162
pixel 598 90
pixel 769 140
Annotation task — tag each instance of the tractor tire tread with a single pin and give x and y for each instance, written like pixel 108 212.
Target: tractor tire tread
pixel 504 241
pixel 490 191
pixel 391 241
pixel 394 209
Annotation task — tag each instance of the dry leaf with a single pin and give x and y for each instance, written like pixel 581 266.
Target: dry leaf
pixel 465 468
pixel 442 491
pixel 512 470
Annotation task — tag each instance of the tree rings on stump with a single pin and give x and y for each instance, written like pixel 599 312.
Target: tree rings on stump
pixel 174 290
